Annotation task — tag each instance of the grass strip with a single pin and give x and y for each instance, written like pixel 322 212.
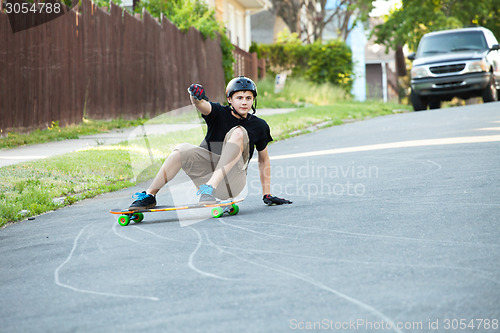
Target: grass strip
pixel 298 93
pixel 56 133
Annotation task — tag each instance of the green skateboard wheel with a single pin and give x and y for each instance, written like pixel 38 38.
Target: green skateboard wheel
pixel 138 217
pixel 124 220
pixel 217 212
pixel 234 209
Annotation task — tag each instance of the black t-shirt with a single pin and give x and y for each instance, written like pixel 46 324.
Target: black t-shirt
pixel 221 120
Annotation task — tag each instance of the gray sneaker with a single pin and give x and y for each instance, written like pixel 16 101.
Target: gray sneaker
pixel 144 201
pixel 207 194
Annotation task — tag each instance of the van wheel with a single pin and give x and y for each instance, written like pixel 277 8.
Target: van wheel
pixel 434 104
pixel 419 103
pixel 490 93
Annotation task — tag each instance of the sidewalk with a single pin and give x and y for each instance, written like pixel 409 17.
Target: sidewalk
pixel 44 150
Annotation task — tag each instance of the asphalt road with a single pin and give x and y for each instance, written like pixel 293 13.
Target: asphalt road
pixel 394 228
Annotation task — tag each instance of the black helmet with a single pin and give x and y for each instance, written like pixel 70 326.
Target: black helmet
pixel 241 83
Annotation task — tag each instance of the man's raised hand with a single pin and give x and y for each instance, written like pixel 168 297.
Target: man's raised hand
pixel 197 91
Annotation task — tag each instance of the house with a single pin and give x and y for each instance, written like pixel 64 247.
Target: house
pixel 235 14
pixel 381 77
pixel 374 65
pixel 266 26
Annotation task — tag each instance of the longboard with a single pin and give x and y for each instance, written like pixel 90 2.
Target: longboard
pixel 218 209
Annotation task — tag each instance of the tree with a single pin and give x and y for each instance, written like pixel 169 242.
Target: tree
pixel 415 18
pixel 289 11
pixel 345 14
pixel 308 18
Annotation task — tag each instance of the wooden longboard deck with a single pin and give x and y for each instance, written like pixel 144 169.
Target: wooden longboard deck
pixel 171 208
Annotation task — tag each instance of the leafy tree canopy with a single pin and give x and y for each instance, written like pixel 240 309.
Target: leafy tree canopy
pixel 184 14
pixel 407 24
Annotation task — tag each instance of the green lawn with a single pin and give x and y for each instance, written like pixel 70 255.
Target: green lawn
pixel 56 133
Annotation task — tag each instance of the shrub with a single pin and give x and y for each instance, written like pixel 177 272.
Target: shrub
pixel 330 62
pixel 317 62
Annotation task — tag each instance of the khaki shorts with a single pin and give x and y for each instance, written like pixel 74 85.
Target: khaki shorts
pixel 199 164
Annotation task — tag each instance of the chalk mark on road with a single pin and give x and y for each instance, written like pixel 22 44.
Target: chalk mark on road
pixel 292 273
pixel 480 273
pixel 86 291
pixel 193 254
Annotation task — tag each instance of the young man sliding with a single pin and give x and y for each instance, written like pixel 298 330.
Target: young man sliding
pixel 218 167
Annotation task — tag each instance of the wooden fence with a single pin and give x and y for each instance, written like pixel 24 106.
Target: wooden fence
pixel 100 65
pixel 247 64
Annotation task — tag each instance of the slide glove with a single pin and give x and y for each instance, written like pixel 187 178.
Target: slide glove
pixel 197 91
pixel 272 201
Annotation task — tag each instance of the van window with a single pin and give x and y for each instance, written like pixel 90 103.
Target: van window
pixel 452 42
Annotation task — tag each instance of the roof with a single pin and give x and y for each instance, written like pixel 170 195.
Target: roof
pixel 252 4
pixel 453 30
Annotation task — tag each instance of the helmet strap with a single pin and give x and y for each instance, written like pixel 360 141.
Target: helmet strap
pixel 239 114
pixel 254 105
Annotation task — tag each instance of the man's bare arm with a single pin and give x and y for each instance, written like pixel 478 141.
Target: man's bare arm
pixel 203 106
